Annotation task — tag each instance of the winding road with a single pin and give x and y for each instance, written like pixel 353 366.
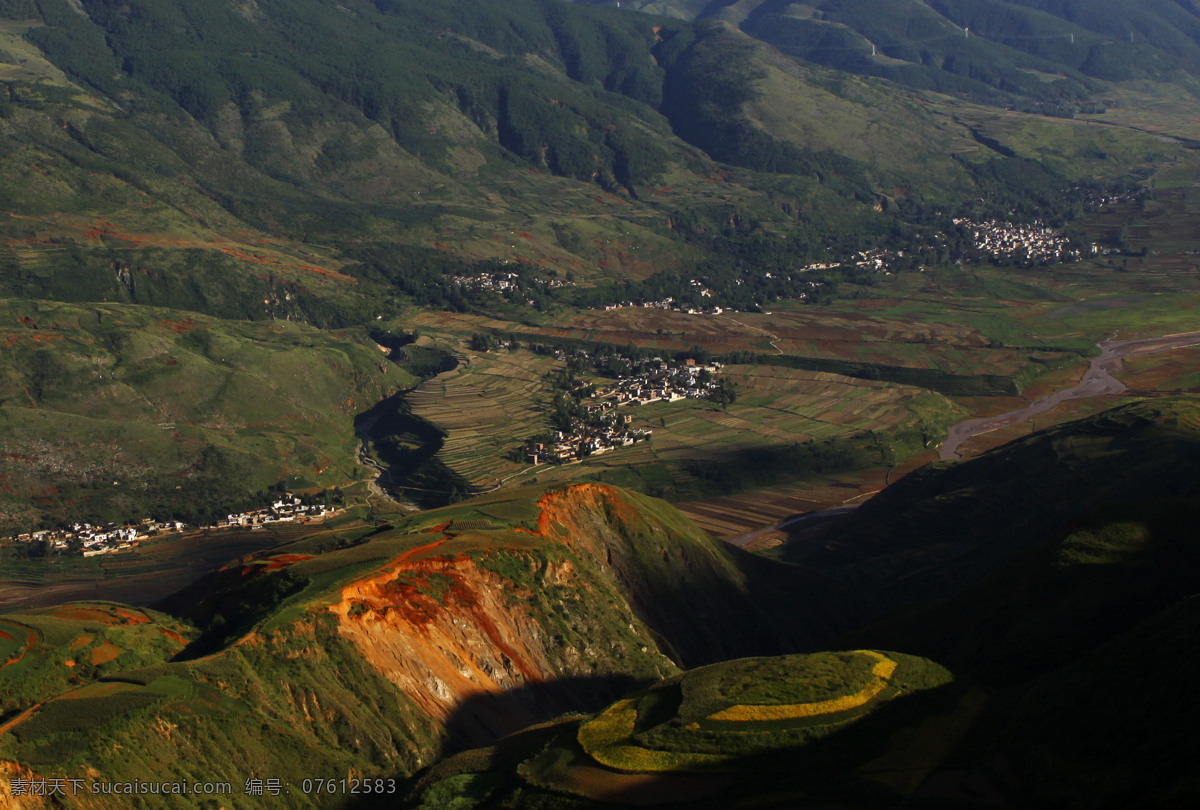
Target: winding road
pixel 1097 381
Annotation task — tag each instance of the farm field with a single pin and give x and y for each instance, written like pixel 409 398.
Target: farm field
pixel 490 404
pixel 863 333
pixel 487 406
pixel 1023 331
pixel 1148 375
pixel 729 516
pixel 1175 371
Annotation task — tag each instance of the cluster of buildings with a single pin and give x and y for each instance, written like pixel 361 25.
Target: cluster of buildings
pixel 503 282
pixel 1035 243
pixel 602 428
pixel 671 305
pixel 876 260
pixel 1097 198
pixel 285 510
pixel 587 438
pixel 660 381
pixel 92 540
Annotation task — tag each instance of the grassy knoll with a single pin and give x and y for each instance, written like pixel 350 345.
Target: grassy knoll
pixel 114 412
pixel 681 737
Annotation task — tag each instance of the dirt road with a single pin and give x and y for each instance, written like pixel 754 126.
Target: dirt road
pixel 790 524
pixel 1097 381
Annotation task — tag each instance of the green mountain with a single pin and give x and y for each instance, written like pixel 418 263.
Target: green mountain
pixel 343 165
pixel 112 412
pixel 452 628
pixel 1042 51
pixel 344 160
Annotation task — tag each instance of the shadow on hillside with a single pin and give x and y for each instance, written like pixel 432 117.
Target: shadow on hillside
pixel 708 603
pixel 404 448
pixel 486 717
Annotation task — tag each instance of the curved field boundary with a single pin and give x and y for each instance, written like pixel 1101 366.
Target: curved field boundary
pixel 746 713
pixel 20 648
pixel 606 739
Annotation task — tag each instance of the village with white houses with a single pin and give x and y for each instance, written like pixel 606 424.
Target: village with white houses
pixel 601 427
pixel 287 509
pixel 91 540
pixel 1036 243
pixel 503 282
pixel 668 304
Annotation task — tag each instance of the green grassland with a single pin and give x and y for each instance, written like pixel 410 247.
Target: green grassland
pixel 114 412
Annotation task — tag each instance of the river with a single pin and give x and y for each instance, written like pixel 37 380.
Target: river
pixel 1096 381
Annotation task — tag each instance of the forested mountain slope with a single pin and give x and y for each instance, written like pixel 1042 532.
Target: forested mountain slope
pixel 318 158
pixel 1051 52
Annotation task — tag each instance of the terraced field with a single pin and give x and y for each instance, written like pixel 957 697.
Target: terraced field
pixel 487 406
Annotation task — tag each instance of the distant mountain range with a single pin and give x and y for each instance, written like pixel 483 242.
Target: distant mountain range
pixel 332 162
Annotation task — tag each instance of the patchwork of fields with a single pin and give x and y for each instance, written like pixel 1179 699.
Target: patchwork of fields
pixel 490 404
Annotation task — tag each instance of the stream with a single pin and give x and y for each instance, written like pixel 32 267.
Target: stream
pixel 1096 381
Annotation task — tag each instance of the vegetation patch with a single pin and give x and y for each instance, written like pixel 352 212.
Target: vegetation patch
pixel 881 672
pixel 709 717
